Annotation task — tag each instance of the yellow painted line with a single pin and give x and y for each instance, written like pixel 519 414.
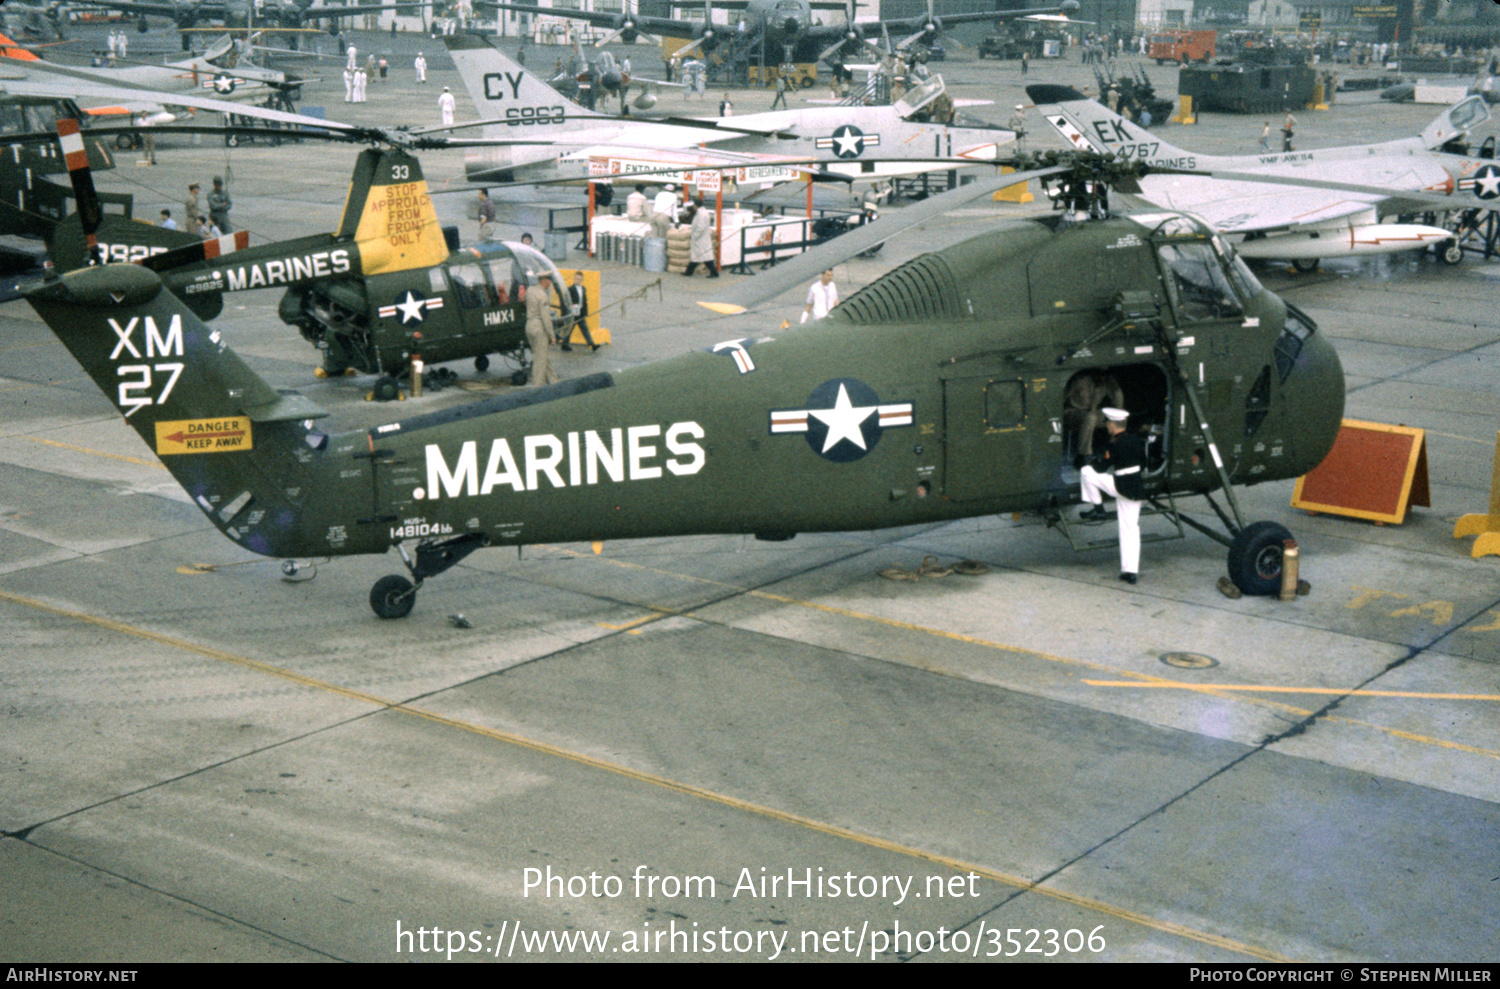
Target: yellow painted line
pixel 49 384
pixel 1455 436
pixel 639 621
pixel 1263 688
pixel 676 786
pixel 96 453
pixel 1144 679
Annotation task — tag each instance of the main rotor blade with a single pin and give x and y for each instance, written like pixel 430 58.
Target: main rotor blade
pixel 800 270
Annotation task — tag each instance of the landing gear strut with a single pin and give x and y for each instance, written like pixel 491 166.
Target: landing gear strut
pixel 393 596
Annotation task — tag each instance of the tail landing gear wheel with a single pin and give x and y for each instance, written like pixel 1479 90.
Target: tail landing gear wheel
pixel 482 363
pixel 1306 265
pixel 521 376
pixel 1255 557
pixel 393 596
pixel 1449 252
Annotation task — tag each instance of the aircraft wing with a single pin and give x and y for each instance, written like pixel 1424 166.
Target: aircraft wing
pixel 1252 207
pixel 643 23
pixel 129 7
pixel 209 81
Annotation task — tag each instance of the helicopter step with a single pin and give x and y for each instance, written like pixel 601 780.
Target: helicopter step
pixel 1056 518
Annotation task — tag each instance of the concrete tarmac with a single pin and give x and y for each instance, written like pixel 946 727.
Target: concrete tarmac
pixel 714 748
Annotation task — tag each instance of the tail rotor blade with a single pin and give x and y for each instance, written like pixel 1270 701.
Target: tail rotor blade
pixel 90 213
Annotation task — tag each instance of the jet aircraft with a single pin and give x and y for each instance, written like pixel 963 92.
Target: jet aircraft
pixel 1291 223
pixel 864 143
pixel 216 73
pixel 926 396
pixel 780 24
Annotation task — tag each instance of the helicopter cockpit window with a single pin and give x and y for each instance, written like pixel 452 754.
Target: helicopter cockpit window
pixel 12 121
pixel 500 276
pixel 1200 289
pixel 470 286
pixel 41 118
pixel 1244 280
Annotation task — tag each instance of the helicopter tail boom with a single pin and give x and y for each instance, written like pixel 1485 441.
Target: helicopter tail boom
pixel 221 431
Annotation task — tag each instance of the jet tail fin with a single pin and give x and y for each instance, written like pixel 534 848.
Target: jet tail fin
pixel 1089 125
pixel 235 444
pixel 503 89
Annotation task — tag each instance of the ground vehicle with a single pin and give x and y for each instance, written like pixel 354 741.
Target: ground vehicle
pixel 1182 46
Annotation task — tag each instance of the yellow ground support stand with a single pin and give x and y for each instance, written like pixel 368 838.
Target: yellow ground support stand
pixel 1018 193
pixel 1486 527
pixel 590 286
pixel 1184 111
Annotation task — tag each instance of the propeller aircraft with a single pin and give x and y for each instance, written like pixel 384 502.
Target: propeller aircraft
pixel 1228 384
pixel 1235 193
pixel 780 25
pixel 289 16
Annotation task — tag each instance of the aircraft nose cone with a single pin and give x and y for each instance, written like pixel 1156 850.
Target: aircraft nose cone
pixel 1314 391
pixel 791 27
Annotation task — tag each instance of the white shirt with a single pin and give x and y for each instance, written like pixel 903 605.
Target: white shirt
pixel 665 202
pixel 635 206
pixel 446 104
pixel 822 298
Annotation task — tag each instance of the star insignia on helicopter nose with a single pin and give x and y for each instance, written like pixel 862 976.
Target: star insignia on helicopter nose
pixel 843 420
pixel 411 307
pixel 224 84
pixel 1487 182
pixel 848 141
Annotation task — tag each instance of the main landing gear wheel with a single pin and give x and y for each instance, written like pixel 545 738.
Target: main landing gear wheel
pixel 1306 265
pixel 482 363
pixel 1255 557
pixel 1449 252
pixel 393 596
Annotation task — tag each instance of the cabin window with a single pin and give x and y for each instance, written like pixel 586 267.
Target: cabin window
pixel 1200 289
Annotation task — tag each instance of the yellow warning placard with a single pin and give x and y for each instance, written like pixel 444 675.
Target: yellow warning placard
pixel 203 435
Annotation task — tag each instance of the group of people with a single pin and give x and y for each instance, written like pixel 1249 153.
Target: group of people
pixel 1288 130
pixel 119 45
pixel 208 225
pixel 542 331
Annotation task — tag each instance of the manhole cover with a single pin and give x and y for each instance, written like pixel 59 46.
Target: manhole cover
pixel 1188 660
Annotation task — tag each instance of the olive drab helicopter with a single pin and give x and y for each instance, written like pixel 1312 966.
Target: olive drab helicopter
pixel 934 393
pixel 384 288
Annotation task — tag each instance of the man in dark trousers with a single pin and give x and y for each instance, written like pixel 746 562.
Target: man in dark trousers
pixel 578 297
pixel 1117 472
